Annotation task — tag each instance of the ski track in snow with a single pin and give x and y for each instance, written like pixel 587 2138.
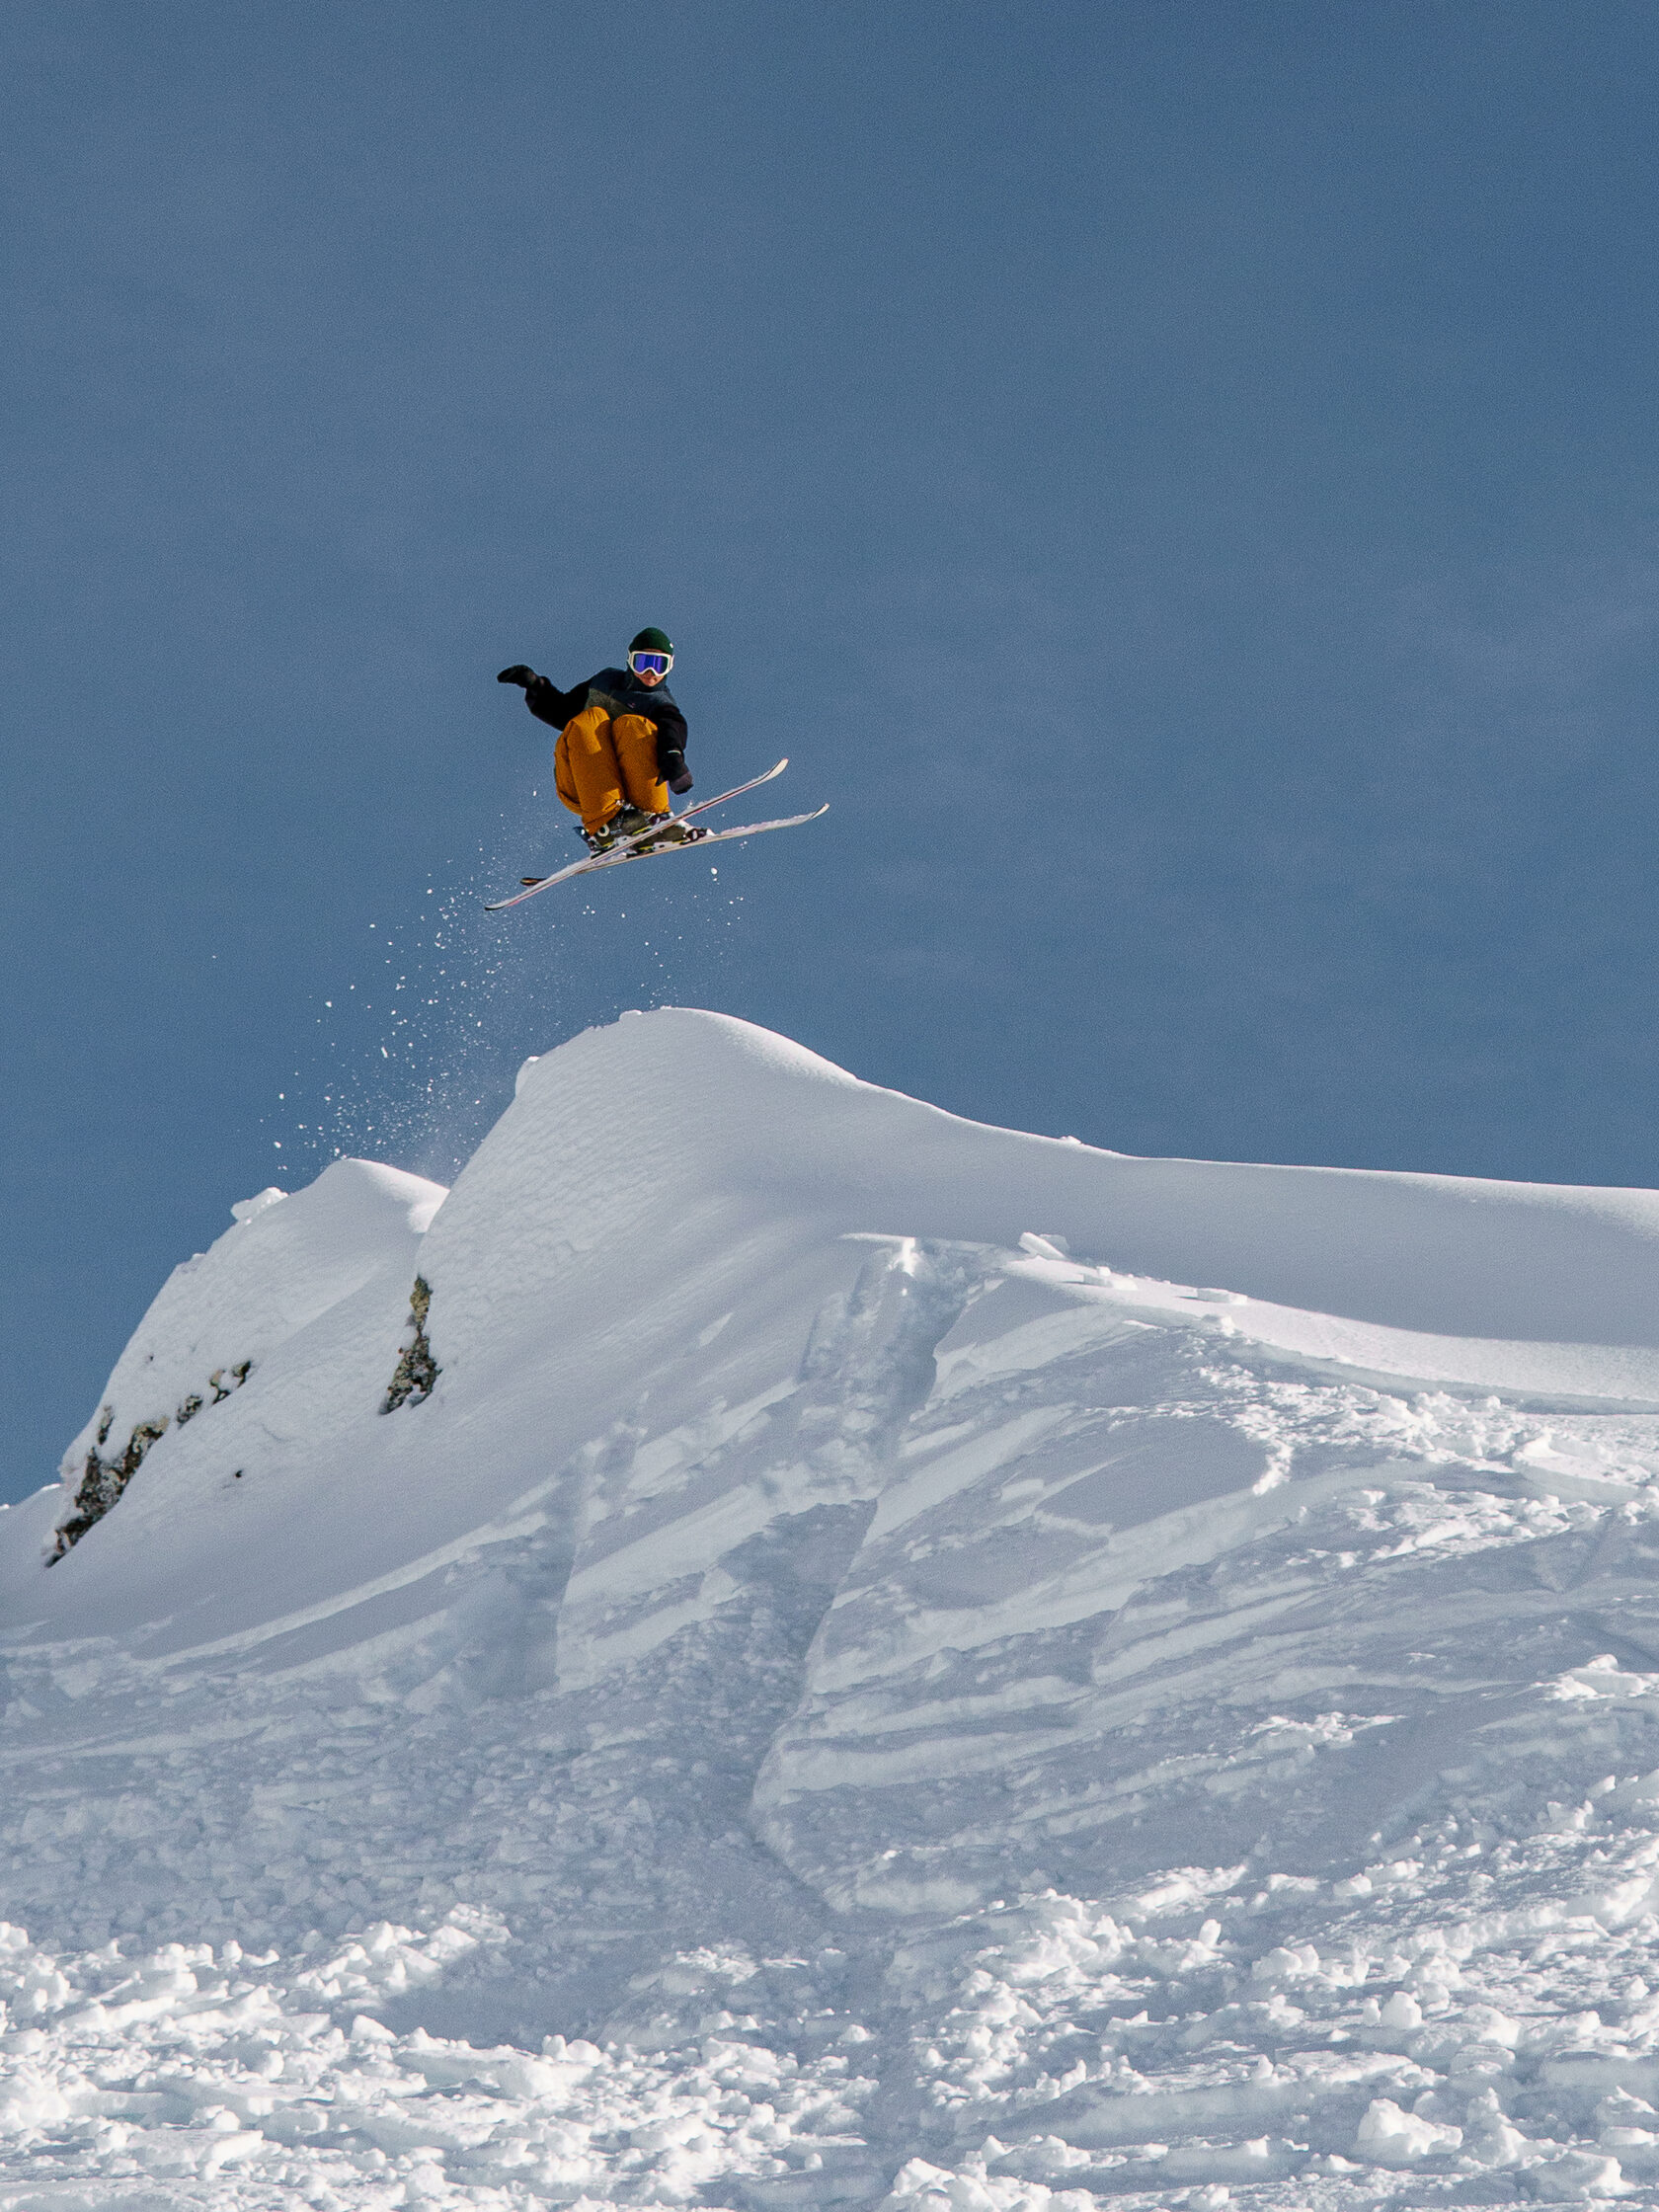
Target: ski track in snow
pixel 834 1702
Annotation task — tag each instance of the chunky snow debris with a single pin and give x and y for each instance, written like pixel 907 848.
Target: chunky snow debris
pixel 905 1664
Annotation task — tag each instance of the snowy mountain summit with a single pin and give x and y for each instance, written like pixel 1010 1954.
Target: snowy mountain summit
pixel 775 1648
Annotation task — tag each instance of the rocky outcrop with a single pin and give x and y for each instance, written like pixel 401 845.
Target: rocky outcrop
pixel 103 1481
pixel 220 1389
pixel 416 1371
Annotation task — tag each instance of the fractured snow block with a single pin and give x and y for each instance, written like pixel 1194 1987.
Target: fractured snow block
pixel 1574 2177
pixel 1387 2136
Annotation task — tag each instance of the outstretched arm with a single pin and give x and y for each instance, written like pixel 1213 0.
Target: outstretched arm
pixel 544 699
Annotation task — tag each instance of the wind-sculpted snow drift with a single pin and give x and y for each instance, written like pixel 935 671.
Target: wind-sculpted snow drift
pixel 897 1662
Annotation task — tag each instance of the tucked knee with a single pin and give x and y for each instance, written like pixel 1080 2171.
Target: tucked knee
pixel 585 731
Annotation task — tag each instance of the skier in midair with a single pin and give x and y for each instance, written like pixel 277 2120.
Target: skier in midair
pixel 621 745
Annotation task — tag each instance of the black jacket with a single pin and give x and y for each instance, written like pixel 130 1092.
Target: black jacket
pixel 618 691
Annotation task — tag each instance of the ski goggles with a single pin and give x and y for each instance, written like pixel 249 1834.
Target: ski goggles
pixel 651 664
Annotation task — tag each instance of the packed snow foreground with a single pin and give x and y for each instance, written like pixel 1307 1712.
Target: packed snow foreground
pixel 871 1660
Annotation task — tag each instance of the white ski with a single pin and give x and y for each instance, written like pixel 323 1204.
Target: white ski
pixel 685 844
pixel 624 850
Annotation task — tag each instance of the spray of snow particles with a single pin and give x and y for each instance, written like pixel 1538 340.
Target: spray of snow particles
pixel 419 1039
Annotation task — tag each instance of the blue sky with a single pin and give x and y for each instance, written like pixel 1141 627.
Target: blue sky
pixel 1179 479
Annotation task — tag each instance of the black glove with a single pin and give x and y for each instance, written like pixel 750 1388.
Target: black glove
pixel 518 675
pixel 675 774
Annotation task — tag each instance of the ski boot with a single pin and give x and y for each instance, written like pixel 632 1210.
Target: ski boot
pixel 626 823
pixel 675 832
pixel 633 822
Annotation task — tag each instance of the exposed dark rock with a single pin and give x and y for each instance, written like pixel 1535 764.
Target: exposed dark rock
pixel 220 1389
pixel 416 1371
pixel 103 1480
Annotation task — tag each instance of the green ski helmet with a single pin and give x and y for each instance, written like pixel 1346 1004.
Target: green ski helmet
pixel 652 641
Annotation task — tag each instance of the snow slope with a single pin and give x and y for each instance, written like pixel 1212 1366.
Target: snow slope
pixel 899 1661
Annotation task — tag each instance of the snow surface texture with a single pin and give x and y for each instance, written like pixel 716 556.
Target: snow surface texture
pixel 900 1664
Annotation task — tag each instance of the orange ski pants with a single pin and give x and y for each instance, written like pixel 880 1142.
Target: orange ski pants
pixel 599 765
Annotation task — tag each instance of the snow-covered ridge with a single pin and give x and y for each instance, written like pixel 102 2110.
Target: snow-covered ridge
pixel 270 1276
pixel 834 1522
pixel 638 1157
